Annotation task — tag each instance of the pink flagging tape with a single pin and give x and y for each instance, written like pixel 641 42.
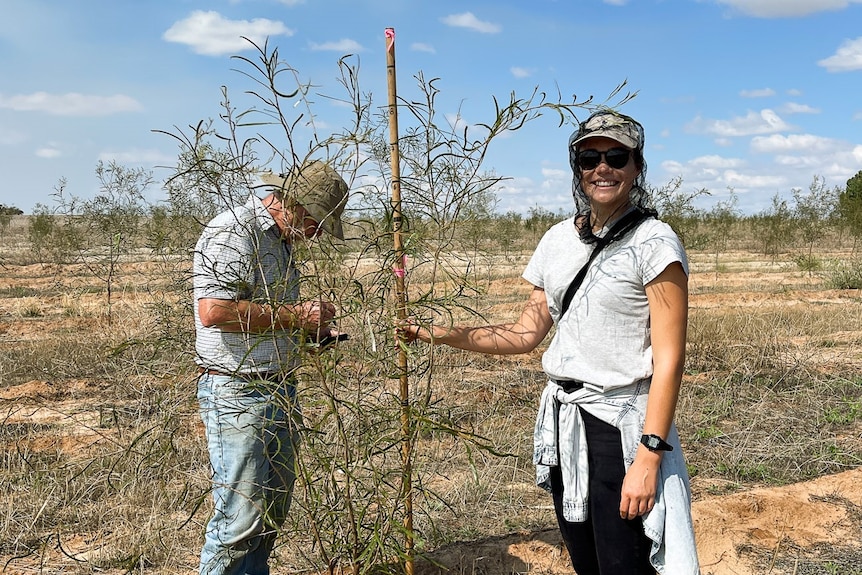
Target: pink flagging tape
pixel 402 270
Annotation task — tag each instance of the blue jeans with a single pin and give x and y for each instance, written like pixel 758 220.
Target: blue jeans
pixel 252 433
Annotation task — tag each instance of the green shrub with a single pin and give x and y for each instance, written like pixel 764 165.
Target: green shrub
pixel 845 275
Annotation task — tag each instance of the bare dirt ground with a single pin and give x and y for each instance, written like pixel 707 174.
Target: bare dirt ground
pixel 763 530
pixel 759 530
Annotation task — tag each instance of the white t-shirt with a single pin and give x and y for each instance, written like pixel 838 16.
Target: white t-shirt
pixel 604 338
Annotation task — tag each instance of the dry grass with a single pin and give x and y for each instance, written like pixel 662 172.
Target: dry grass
pixel 104 467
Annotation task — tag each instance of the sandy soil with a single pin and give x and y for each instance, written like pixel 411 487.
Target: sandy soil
pixel 740 534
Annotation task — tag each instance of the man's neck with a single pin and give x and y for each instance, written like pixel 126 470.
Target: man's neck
pixel 276 209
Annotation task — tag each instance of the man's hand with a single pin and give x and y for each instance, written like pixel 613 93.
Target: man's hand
pixel 314 317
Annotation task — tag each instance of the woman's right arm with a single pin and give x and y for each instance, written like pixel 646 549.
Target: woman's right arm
pixel 502 339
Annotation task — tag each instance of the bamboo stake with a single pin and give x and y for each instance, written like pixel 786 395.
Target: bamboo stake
pixel 401 302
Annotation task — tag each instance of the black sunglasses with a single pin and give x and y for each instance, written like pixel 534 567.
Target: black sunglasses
pixel 616 158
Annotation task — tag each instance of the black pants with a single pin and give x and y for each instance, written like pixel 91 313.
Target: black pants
pixel 604 544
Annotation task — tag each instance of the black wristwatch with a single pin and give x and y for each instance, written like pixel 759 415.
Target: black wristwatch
pixel 655 443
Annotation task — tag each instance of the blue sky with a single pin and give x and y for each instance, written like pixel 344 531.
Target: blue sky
pixel 760 96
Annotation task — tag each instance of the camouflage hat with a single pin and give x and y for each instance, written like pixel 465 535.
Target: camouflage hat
pixel 317 188
pixel 613 125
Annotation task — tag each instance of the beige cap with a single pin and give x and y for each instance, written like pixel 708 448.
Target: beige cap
pixel 613 125
pixel 317 188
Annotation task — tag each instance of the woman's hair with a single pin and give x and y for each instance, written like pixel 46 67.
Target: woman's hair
pixel 625 130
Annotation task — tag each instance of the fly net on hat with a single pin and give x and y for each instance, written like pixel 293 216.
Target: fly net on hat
pixel 317 188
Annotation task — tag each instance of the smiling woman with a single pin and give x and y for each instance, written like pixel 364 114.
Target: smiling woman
pixel 605 444
pixel 606 155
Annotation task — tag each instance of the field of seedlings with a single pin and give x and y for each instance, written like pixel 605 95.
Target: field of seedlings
pixel 104 466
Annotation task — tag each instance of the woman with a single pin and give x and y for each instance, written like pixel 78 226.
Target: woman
pixel 605 443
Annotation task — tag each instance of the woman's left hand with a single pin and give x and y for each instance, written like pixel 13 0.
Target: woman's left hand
pixel 639 485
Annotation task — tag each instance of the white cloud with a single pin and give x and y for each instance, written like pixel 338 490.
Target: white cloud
pixel 291 2
pixel 785 8
pixel 754 123
pixel 776 144
pixel 71 104
pixel 794 108
pixel 421 47
pixel 513 188
pixel 797 162
pixel 468 20
pixel 761 93
pixel 710 162
pixel 671 166
pixel 847 58
pixel 835 169
pixel 344 46
pixel 49 152
pixel 211 34
pixel 747 181
pixel 519 72
pixel 775 164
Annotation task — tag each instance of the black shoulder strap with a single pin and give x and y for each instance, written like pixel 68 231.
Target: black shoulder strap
pixel 625 224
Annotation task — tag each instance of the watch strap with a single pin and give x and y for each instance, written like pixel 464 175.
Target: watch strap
pixel 655 443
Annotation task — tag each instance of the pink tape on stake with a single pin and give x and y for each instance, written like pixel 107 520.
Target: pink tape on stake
pixel 402 271
pixel 390 33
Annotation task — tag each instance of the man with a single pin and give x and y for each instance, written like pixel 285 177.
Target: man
pixel 248 319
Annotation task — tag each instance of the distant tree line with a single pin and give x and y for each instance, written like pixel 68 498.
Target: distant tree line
pixel 119 218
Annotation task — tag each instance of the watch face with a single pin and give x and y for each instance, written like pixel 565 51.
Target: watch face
pixel 652 442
